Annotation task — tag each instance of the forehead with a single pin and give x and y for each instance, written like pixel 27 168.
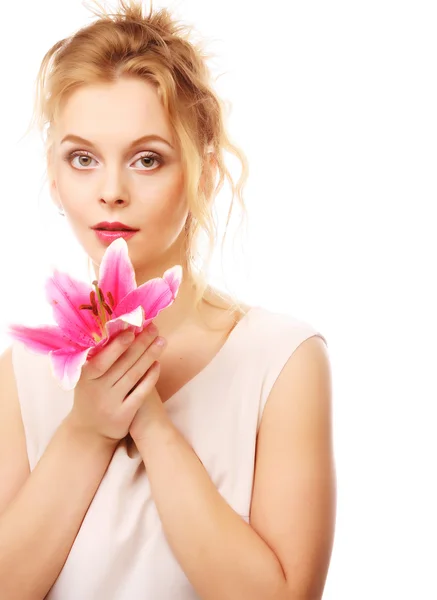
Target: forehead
pixel 125 110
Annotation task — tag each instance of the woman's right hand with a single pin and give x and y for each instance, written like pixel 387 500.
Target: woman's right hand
pixel 103 405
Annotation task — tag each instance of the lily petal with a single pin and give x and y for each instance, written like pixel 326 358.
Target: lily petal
pixel 116 273
pixel 66 366
pixel 133 321
pixel 65 295
pixel 43 339
pixel 153 296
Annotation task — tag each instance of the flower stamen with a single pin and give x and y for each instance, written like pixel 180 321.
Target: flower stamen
pixel 111 299
pixel 85 307
pixel 101 306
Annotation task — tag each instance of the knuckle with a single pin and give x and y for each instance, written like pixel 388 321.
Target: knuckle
pixel 152 328
pixel 150 333
pixel 144 344
pixel 126 338
pixel 100 367
pixel 95 370
pixel 136 372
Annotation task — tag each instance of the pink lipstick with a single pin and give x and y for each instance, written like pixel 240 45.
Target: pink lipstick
pixel 107 236
pixel 108 232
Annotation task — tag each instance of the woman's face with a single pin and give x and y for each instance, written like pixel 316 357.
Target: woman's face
pixel 109 179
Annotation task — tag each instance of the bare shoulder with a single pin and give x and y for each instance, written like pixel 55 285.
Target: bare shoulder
pixel 294 496
pixel 14 465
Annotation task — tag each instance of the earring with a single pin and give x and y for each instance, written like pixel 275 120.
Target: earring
pixel 60 211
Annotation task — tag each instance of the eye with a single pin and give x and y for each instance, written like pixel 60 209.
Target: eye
pixel 149 157
pixel 79 154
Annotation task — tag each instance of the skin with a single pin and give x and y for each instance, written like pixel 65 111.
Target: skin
pixel 112 183
pixel 284 551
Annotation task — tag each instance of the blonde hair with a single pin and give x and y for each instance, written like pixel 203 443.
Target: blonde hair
pixel 157 49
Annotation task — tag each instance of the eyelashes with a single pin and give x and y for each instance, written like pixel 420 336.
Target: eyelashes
pixel 80 153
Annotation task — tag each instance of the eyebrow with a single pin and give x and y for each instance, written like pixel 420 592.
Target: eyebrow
pixel 145 138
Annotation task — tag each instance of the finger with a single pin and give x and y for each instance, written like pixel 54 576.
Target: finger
pixel 133 375
pixel 135 399
pixel 130 357
pixel 98 365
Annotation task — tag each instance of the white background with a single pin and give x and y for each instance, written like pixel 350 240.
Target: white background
pixel 335 105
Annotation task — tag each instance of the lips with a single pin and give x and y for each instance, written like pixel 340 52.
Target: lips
pixel 107 236
pixel 114 226
pixel 113 229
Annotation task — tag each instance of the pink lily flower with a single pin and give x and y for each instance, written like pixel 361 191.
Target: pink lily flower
pixel 89 317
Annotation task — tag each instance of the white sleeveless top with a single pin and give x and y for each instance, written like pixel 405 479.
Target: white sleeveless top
pixel 120 551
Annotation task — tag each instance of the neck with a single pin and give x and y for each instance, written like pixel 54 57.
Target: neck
pixel 181 312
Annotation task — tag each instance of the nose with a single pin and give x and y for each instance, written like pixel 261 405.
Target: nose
pixel 113 201
pixel 114 191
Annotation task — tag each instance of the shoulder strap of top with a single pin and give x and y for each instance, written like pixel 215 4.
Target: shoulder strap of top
pixel 282 334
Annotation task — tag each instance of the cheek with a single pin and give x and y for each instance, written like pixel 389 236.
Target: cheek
pixel 167 203
pixel 74 193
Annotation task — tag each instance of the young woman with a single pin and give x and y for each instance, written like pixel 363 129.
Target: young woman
pixel 199 469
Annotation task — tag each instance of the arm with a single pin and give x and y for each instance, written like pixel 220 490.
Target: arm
pixel 39 526
pixel 41 512
pixel 294 496
pixel 285 551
